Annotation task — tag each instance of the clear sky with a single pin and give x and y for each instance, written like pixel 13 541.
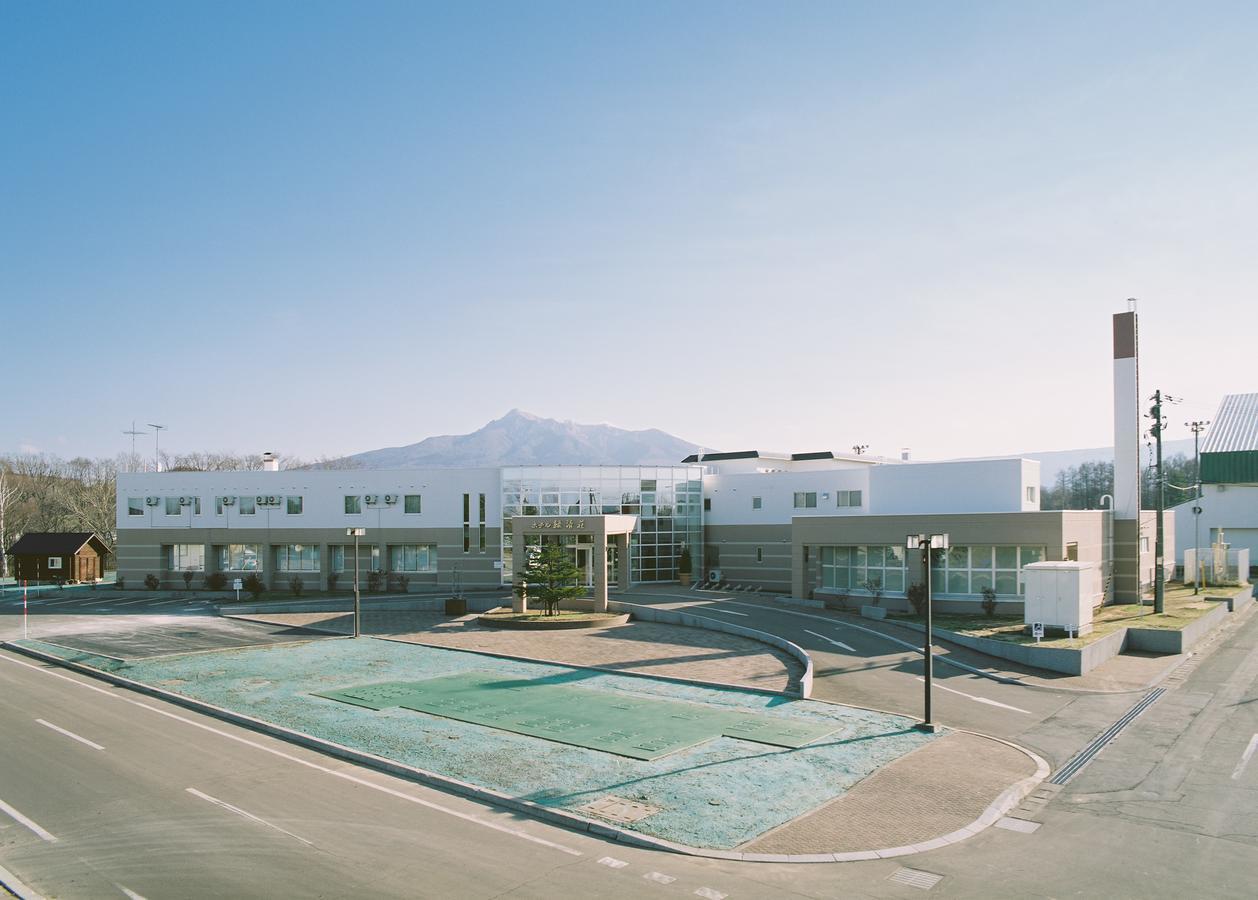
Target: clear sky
pixel 328 227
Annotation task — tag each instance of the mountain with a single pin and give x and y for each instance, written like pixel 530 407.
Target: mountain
pixel 519 438
pixel 1054 461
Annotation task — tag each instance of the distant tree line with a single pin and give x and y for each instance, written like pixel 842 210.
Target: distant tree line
pixel 1083 486
pixel 42 492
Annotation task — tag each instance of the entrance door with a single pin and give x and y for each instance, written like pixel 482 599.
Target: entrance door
pixel 582 559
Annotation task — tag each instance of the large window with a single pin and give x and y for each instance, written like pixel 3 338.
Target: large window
pixel 756 503
pixel 853 568
pixel 135 506
pixel 848 498
pixel 412 504
pixel 172 506
pixel 963 569
pixel 805 499
pixel 413 558
pixel 297 558
pixel 369 558
pixel 353 505
pixel 239 558
pixel 187 558
pixel 248 506
pixel 295 505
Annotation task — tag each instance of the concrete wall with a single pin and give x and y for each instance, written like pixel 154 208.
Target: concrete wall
pixel 736 547
pixel 961 486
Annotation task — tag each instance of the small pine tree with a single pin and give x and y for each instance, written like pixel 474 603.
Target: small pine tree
pixel 553 577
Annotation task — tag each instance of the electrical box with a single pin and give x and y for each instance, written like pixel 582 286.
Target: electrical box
pixel 1062 595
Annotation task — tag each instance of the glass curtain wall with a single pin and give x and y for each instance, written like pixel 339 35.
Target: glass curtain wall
pixel 668 501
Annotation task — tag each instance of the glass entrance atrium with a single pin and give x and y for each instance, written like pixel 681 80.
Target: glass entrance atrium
pixel 668 501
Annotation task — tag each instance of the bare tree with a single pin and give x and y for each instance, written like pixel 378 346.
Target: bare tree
pixel 9 490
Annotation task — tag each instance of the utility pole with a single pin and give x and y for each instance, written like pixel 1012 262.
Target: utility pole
pixel 1159 576
pixel 1197 427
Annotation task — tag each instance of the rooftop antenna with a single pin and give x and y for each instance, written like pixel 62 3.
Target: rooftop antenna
pixel 157 439
pixel 858 449
pixel 133 433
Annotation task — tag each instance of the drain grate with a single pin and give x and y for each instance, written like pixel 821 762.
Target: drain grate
pixel 1088 753
pixel 915 878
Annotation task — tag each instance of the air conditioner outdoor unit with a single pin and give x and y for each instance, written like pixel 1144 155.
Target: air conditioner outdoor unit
pixel 260 500
pixel 714 575
pixel 390 499
pixel 372 499
pixel 185 501
pixel 152 501
pixel 227 501
pixel 272 501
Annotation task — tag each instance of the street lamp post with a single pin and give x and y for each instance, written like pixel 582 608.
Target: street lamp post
pixel 356 533
pixel 926 543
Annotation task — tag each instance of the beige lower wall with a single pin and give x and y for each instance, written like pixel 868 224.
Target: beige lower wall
pixel 735 546
pixel 140 553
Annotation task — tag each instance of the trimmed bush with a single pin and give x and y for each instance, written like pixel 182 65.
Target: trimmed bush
pixel 917 596
pixel 255 585
pixel 295 585
pixel 152 582
pixel 215 581
pixel 989 601
pixel 187 579
pixel 332 580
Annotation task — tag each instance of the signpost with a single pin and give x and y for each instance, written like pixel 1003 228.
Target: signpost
pixel 1037 631
pixel 25 628
pixel 237 584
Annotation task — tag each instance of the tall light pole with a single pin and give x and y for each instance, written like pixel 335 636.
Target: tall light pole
pixel 1197 427
pixel 157 450
pixel 927 543
pixel 356 533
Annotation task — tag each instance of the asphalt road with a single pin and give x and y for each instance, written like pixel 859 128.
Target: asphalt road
pixel 145 799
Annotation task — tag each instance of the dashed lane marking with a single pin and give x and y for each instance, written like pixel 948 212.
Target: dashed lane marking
pixel 710 894
pixel 70 734
pixel 978 699
pixel 31 825
pixel 846 647
pixel 130 893
pixel 659 878
pixel 1245 758
pixel 247 815
pixel 612 862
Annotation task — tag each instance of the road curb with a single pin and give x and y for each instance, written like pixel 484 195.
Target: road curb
pixel 1006 801
pixel 13 885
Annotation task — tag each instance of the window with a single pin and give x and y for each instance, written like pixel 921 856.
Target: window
pixel 805 499
pixel 297 558
pixel 187 558
pixel 1030 493
pixel 353 505
pixel 467 522
pixel 135 506
pixel 851 568
pixel 755 503
pixel 295 505
pixel 575 509
pixel 967 570
pixel 54 562
pixel 413 558
pixel 848 498
pixel 239 558
pixel 369 556
pixel 759 554
pixel 172 506
pixel 707 504
pixel 1144 545
pixel 248 506
pixel 412 504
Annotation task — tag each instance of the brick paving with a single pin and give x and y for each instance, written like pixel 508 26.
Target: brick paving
pixel 647 648
pixel 945 785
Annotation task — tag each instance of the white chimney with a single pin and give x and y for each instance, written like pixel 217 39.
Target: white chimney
pixel 270 462
pixel 905 453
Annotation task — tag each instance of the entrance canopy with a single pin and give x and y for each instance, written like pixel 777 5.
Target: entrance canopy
pixel 604 530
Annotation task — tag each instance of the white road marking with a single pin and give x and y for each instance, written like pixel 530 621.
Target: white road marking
pixel 659 878
pixel 130 893
pixel 978 699
pixel 1246 757
pixel 709 894
pixel 177 600
pixel 728 612
pixel 846 647
pixel 132 602
pixel 246 815
pixel 612 863
pixel 22 820
pixel 307 763
pixel 70 734
pixel 72 600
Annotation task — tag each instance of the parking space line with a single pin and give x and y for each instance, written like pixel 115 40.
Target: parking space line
pixel 70 734
pixel 246 815
pixel 977 699
pixel 16 816
pixel 1245 757
pixel 659 877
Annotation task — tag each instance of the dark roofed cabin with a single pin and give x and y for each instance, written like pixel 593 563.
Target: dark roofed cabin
pixel 43 556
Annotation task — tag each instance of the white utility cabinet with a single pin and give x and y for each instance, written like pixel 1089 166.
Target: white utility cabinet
pixel 1062 595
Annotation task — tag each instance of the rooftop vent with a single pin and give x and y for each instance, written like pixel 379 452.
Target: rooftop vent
pixel 905 454
pixel 270 462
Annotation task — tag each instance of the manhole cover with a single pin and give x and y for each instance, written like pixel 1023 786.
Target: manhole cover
pixel 617 809
pixel 915 878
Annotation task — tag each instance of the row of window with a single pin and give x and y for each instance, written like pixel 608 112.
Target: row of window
pixel 959 570
pixel 808 499
pixel 412 504
pixel 417 558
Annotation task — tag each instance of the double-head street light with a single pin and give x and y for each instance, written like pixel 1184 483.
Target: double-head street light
pixel 356 533
pixel 926 543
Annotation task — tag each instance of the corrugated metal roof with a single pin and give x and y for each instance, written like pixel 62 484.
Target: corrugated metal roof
pixel 1235 427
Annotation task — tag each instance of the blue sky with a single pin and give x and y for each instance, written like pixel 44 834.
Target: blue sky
pixel 328 227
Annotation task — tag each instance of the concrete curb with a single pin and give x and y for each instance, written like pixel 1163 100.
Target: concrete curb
pixel 12 884
pixel 1007 800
